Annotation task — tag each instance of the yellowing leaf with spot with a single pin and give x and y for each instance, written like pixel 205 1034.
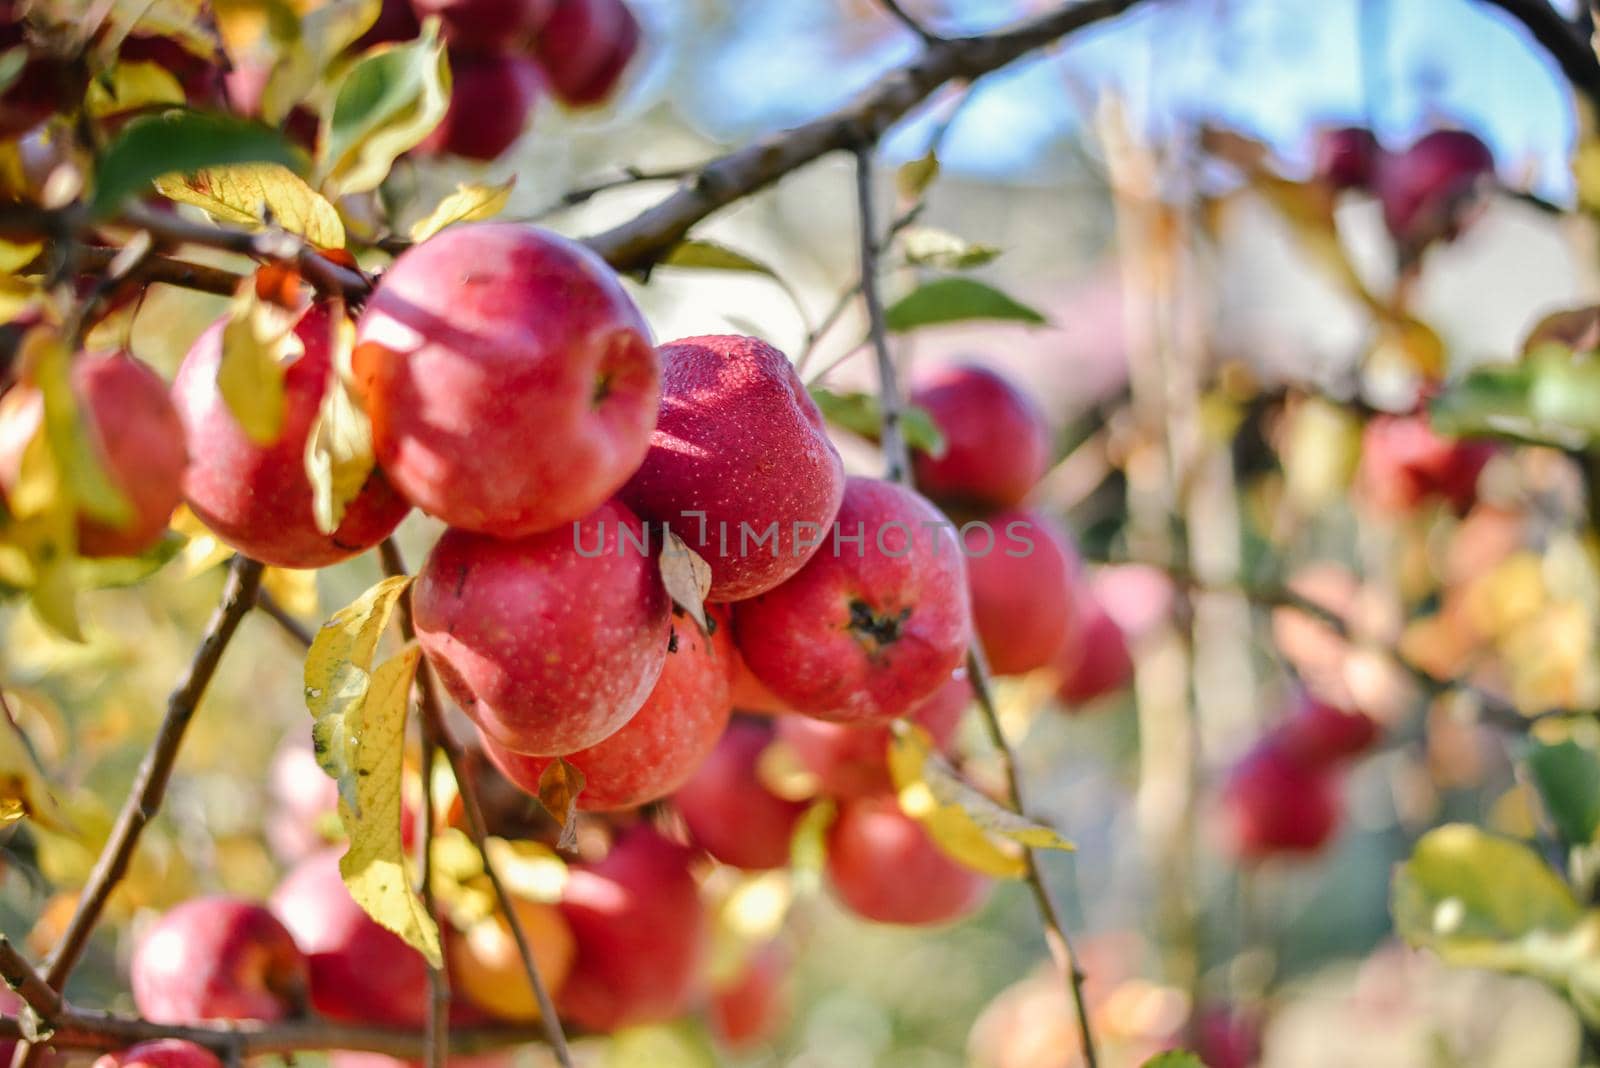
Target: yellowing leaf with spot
pixel 129 86
pixel 24 790
pixel 257 341
pixel 253 193
pixel 687 577
pixel 374 868
pixel 963 821
pixel 338 455
pixel 338 680
pixel 468 203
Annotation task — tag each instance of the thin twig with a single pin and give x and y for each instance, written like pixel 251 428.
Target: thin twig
pixel 910 21
pixel 630 176
pixel 897 461
pixel 27 983
pixel 438 1026
pixel 280 615
pixel 432 710
pixel 150 785
pixel 166 270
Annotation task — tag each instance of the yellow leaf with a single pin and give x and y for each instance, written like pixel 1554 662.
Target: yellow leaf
pixel 559 787
pixel 252 193
pixel 24 791
pixel 184 22
pixel 966 823
pixel 338 455
pixel 687 577
pixel 128 86
pixel 370 126
pixel 374 868
pixel 294 590
pixel 468 203
pixel 15 255
pixel 257 341
pixel 203 550
pixel 530 870
pixel 913 178
pixel 337 680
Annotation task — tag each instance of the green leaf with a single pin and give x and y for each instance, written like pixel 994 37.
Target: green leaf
pixel 1567 776
pixel 1465 893
pixel 1552 398
pixel 1175 1058
pixel 385 105
pixel 180 142
pixel 859 414
pixel 927 246
pixel 12 60
pixel 708 255
pixel 912 179
pixel 309 45
pixel 952 300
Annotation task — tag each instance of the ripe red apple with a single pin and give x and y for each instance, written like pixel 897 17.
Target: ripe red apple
pixel 135 433
pixel 160 1053
pixel 641 932
pixel 510 379
pixel 486 966
pixel 750 694
pixel 657 750
pixel 1277 803
pixel 740 464
pixel 584 47
pixel 852 761
pixel 1325 735
pixel 552 642
pixel 304 802
pixel 491 97
pixel 1431 190
pixel 1095 661
pixel 1227 1036
pixel 1405 464
pixel 1347 158
pixel 485 26
pixel 218 958
pixel 360 972
pixel 396 21
pixel 753 1008
pixel 867 628
pixel 730 812
pixel 255 497
pixel 1022 573
pixel 997 444
pixel 884 867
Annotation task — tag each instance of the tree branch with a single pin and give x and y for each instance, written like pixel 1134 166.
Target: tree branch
pixel 897 461
pixel 166 270
pixel 1563 40
pixel 280 615
pixel 909 21
pixel 638 243
pixel 428 702
pixel 150 785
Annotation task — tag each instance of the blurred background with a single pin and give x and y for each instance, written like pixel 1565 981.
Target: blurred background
pixel 1206 377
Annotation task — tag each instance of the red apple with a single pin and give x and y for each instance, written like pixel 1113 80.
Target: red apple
pixel 486 26
pixel 1277 803
pixel 510 379
pixel 997 444
pixel 868 627
pixel 641 932
pixel 218 958
pixel 200 76
pixel 1022 573
pixel 1347 158
pixel 1095 661
pixel 750 694
pixel 1325 735
pixel 491 97
pixel 753 1008
pixel 852 761
pixel 552 642
pixel 884 867
pixel 730 812
pixel 1226 1036
pixel 135 434
pixel 1405 464
pixel 160 1053
pixel 1431 190
pixel 584 47
pixel 360 972
pixel 657 750
pixel 257 498
pixel 304 802
pixel 740 465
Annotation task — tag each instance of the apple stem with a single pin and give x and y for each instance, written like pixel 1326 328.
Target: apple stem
pixel 898 469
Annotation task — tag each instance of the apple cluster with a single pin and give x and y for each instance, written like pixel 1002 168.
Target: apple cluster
pixel 1283 796
pixel 505 54
pixel 1430 191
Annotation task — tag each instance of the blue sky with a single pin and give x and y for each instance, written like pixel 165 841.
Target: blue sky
pixel 1272 67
